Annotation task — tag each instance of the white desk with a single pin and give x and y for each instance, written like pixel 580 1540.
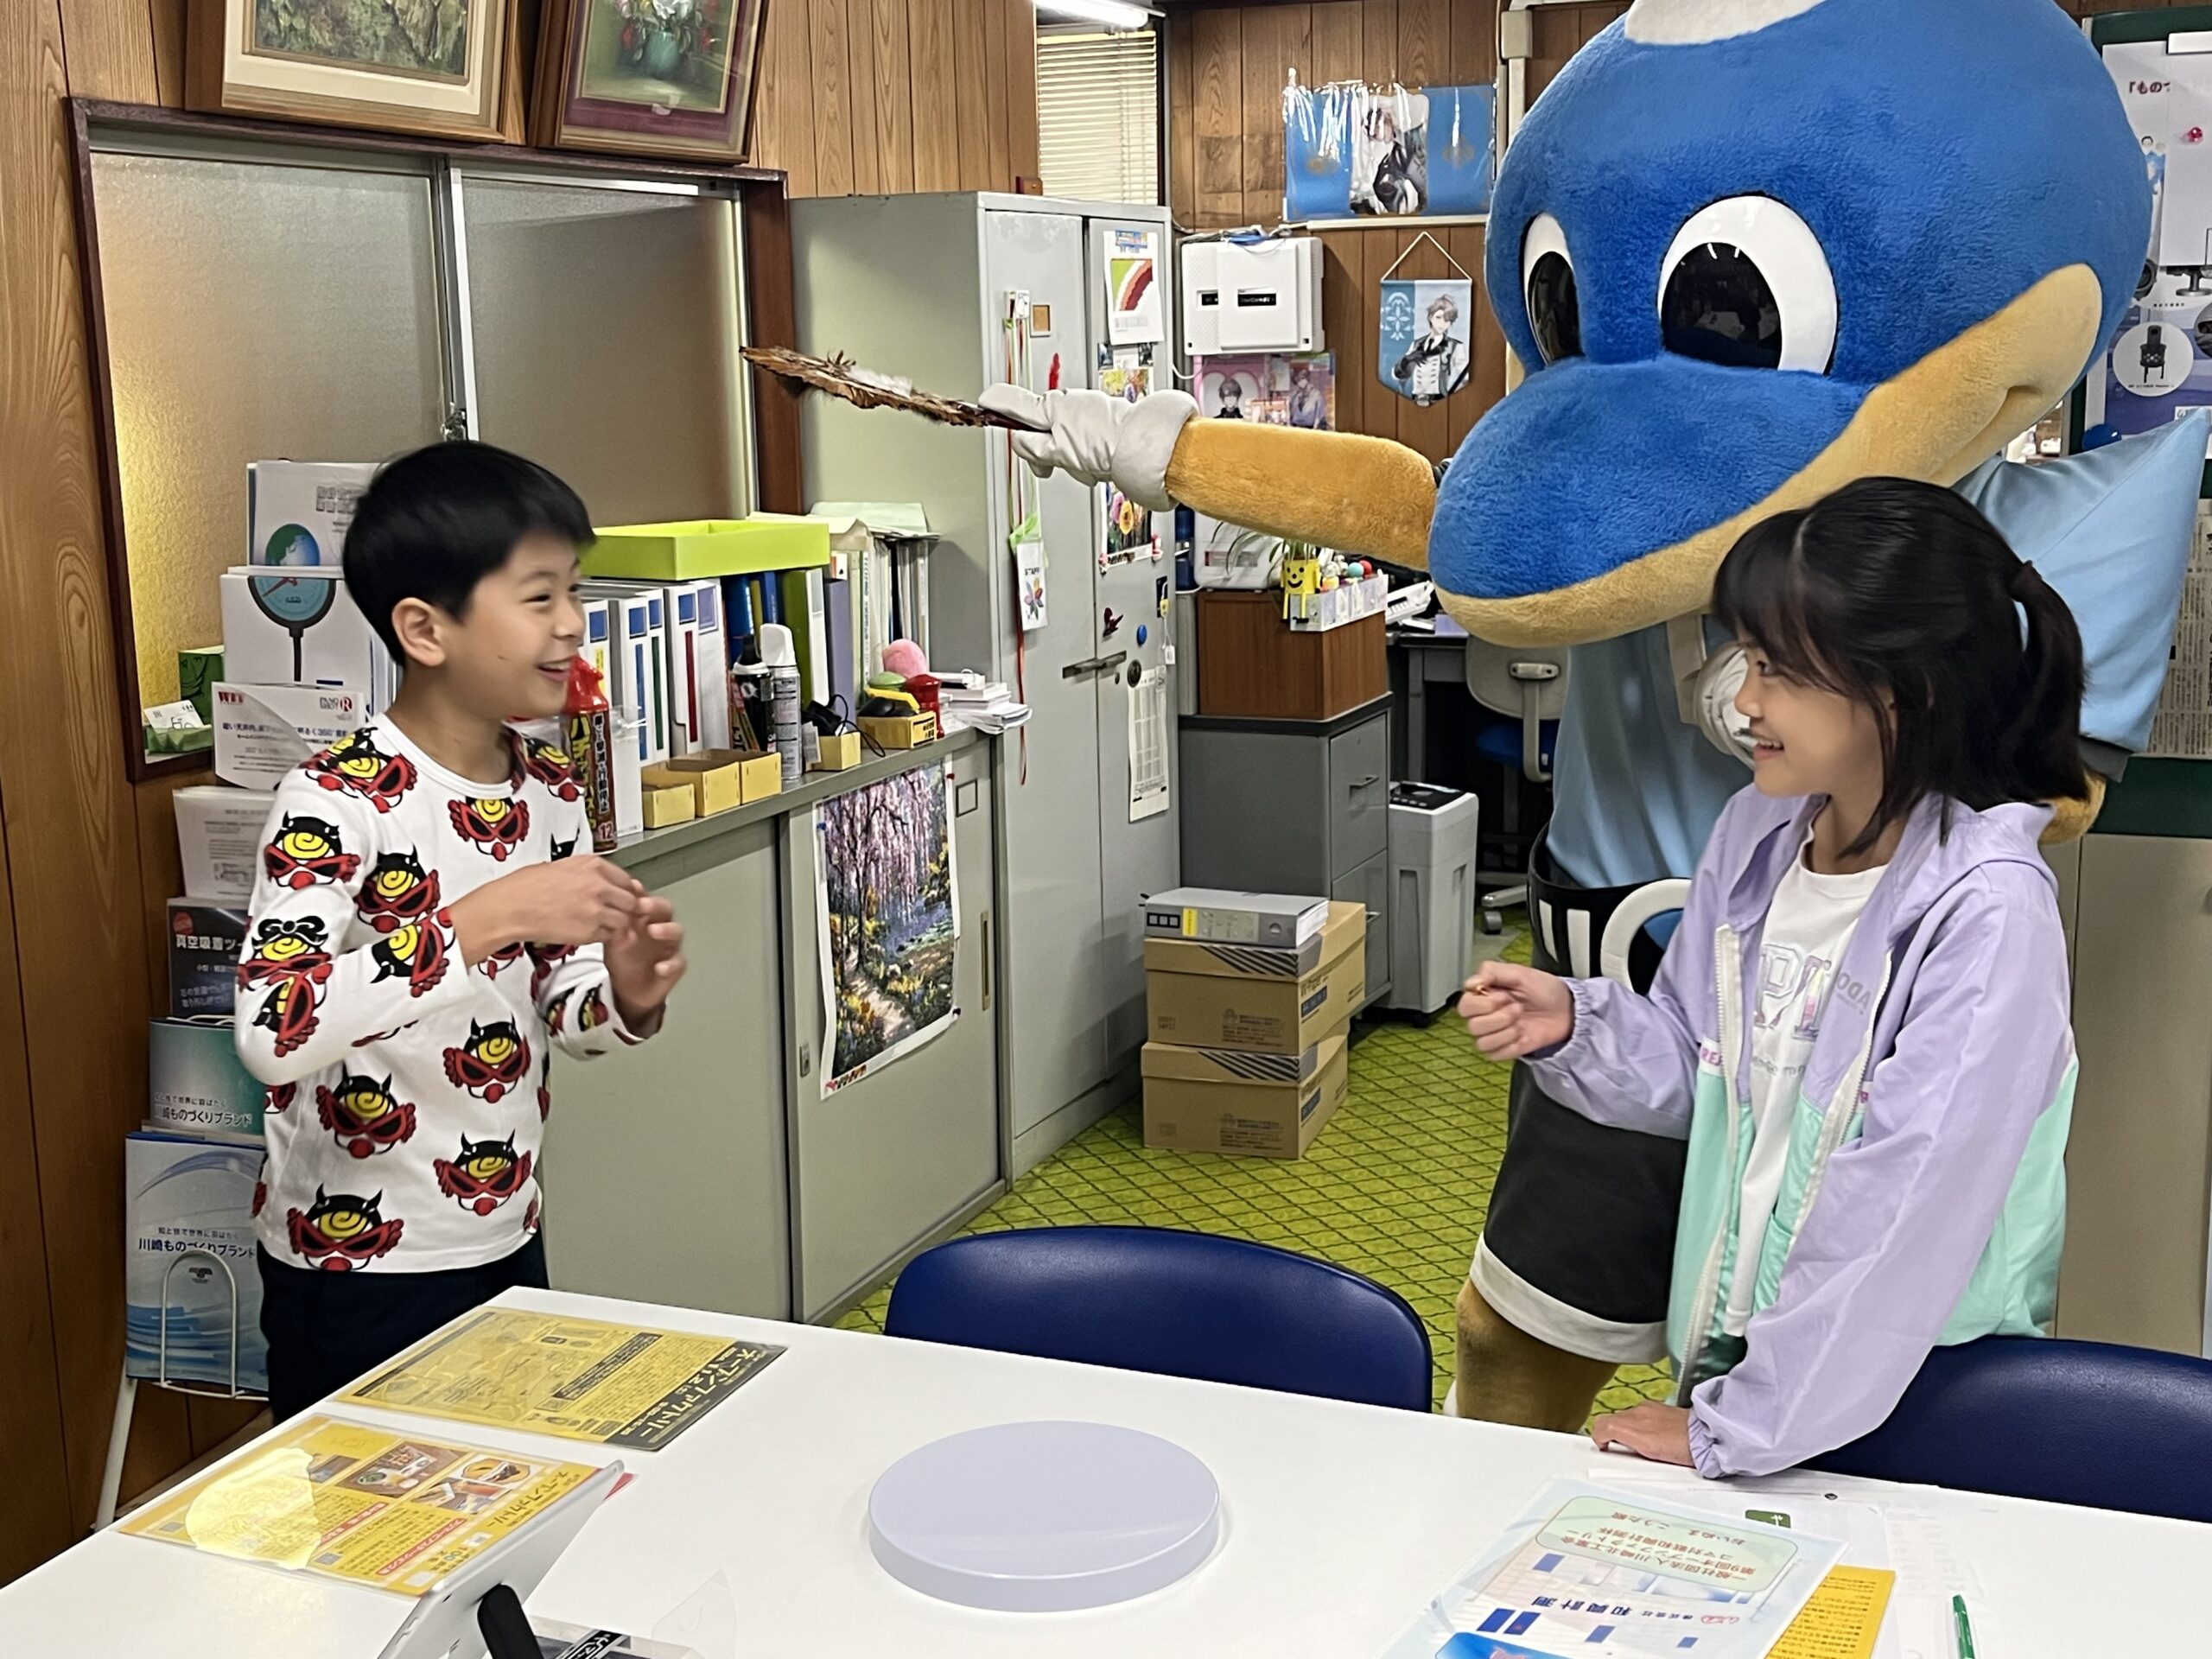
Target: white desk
pixel 1342 1522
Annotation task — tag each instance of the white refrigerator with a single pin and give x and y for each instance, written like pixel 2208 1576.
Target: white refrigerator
pixel 922 287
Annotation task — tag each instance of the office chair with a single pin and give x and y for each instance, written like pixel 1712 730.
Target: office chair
pixel 1529 686
pixel 2085 1423
pixel 1144 1298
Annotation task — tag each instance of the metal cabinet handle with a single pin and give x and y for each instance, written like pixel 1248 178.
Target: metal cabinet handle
pixel 1368 782
pixel 1108 664
pixel 1077 670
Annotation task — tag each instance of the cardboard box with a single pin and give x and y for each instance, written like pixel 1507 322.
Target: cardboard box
pixel 1254 1000
pixel 262 731
pixel 901 731
pixel 196 1083
pixel 205 943
pixel 720 779
pixel 839 754
pixel 1198 1100
pixel 692 549
pixel 761 776
pixel 186 1192
pixel 298 511
pixel 219 839
pixel 302 627
pixel 661 805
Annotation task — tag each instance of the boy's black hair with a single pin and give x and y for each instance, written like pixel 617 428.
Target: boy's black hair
pixel 435 523
pixel 1900 595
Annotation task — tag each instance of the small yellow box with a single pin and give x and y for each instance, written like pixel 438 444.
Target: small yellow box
pixel 841 753
pixel 760 776
pixel 901 731
pixel 667 803
pixel 713 779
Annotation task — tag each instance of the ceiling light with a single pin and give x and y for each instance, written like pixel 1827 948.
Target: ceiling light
pixel 1114 14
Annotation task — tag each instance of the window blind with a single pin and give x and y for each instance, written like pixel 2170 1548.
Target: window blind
pixel 1098 115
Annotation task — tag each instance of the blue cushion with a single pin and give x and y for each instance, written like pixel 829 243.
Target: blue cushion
pixel 1500 740
pixel 2112 532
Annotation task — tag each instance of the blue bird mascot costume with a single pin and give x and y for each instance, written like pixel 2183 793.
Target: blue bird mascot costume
pixel 1745 251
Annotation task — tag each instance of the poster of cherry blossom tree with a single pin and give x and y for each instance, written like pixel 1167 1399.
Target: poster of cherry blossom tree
pixel 887 911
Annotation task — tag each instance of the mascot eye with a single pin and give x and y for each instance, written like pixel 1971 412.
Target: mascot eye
pixel 1747 286
pixel 1548 278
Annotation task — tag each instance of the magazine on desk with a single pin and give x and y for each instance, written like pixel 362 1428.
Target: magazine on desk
pixel 1587 1573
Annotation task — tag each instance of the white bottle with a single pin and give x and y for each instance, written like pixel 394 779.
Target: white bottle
pixel 780 659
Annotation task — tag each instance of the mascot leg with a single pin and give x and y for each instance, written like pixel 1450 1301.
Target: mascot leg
pixel 1506 1376
pixel 1571 1278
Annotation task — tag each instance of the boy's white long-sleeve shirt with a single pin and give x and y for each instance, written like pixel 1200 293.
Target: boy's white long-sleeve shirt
pixel 407 1093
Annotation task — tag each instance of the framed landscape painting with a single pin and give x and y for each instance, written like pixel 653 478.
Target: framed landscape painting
pixel 647 77
pixel 426 67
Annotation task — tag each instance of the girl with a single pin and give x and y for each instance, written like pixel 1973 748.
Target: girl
pixel 1861 1025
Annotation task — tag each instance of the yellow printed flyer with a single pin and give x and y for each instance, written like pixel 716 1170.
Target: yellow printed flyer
pixel 359 1503
pixel 581 1379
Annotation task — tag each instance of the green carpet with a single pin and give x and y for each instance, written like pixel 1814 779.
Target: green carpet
pixel 1395 1187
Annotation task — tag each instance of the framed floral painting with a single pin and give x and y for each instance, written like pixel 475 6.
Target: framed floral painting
pixel 648 77
pixel 428 67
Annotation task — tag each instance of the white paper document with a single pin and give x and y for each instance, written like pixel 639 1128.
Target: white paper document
pixel 1148 746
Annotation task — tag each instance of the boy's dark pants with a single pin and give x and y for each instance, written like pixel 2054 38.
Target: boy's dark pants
pixel 326 1329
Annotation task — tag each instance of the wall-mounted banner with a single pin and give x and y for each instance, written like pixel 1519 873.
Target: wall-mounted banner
pixel 1352 150
pixel 1425 329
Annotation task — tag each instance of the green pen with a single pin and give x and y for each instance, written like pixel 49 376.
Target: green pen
pixel 1963 1626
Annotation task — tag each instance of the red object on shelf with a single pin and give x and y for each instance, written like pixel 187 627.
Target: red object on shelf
pixel 923 688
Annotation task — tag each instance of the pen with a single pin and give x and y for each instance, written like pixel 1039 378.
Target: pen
pixel 1962 1627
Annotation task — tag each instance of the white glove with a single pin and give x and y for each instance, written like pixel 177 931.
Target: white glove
pixel 1095 439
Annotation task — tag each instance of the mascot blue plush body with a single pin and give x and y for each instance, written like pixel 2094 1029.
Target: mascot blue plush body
pixel 1745 251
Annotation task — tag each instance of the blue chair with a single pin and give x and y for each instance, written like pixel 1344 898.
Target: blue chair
pixel 1143 1299
pixel 2068 1422
pixel 1527 686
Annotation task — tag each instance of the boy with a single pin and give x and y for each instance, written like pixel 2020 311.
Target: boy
pixel 424 934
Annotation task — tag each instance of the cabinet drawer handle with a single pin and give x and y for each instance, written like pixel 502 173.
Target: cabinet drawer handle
pixel 1374 915
pixel 1368 782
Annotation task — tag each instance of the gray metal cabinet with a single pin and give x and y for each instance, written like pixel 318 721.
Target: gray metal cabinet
pixel 1296 807
pixel 664 1167
pixel 2136 1163
pixel 901 1155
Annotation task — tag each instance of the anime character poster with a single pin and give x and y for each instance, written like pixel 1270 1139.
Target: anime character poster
pixel 1354 151
pixel 1424 343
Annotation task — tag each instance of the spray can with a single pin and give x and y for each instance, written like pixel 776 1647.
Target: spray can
pixel 781 660
pixel 589 723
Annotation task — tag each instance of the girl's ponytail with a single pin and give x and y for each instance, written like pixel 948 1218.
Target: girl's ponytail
pixel 2040 743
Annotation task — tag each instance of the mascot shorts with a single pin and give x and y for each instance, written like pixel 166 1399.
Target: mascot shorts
pixel 1578 1247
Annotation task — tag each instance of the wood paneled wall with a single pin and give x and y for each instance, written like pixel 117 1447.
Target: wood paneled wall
pixel 83 852
pixel 885 97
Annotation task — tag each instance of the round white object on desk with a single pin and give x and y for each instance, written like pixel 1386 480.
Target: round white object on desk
pixel 1044 1517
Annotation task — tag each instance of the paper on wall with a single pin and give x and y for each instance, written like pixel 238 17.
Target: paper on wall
pixel 1133 280
pixel 1148 775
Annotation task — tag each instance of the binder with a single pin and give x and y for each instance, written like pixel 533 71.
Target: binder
pixel 598 642
pixel 841 604
pixel 681 603
pixel 712 673
pixel 805 600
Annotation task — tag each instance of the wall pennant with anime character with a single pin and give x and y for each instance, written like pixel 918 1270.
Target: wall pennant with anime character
pixel 342 1232
pixel 291 957
pixel 399 890
pixel 493 1060
pixel 356 766
pixel 485 1175
pixel 307 850
pixel 416 951
pixel 552 768
pixel 492 825
pixel 363 1114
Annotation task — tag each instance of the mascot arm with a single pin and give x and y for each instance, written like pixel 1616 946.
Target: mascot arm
pixel 1364 496
pixel 1358 495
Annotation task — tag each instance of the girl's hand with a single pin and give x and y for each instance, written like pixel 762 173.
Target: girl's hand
pixel 1511 1011
pixel 1655 1432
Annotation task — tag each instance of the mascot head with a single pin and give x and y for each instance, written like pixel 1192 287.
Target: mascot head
pixel 1749 251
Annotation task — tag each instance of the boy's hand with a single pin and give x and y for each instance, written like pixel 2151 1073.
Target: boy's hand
pixel 644 961
pixel 1655 1432
pixel 582 900
pixel 1511 1011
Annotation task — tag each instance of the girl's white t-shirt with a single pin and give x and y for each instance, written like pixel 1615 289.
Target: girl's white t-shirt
pixel 1807 927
